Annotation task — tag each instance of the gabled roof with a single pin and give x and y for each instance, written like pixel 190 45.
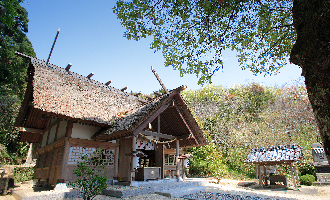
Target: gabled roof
pixel 55 91
pixel 71 95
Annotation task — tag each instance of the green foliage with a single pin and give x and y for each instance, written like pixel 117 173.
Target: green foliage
pixel 13 73
pixel 206 161
pixel 23 174
pixel 240 118
pixel 306 167
pixel 192 35
pixel 91 177
pixel 307 179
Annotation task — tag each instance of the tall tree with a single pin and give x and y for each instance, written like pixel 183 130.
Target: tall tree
pixel 192 35
pixel 13 69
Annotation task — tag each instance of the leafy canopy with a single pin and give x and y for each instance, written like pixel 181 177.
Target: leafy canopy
pixel 13 76
pixel 192 34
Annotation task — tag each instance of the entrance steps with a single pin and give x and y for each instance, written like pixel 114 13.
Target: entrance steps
pixel 179 192
pixel 167 187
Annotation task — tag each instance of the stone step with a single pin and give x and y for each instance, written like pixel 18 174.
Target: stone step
pixel 179 192
pixel 172 185
pixel 152 187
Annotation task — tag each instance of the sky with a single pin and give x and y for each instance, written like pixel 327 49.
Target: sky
pixel 91 38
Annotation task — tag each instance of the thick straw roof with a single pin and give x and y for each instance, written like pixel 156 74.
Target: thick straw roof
pixel 72 96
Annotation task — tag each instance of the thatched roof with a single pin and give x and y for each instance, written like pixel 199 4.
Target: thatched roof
pixel 65 94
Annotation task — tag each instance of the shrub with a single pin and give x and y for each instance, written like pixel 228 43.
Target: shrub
pixel 23 174
pixel 199 170
pixel 91 178
pixel 307 179
pixel 305 167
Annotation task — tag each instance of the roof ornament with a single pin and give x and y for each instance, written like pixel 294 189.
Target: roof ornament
pixel 160 81
pixel 108 83
pixel 158 93
pixel 51 51
pixel 68 67
pixel 124 88
pixel 90 75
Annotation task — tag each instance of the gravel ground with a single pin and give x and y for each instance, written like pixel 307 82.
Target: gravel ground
pixel 228 189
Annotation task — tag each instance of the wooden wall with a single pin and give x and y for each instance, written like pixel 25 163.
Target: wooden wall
pixel 49 161
pixel 52 157
pixel 124 165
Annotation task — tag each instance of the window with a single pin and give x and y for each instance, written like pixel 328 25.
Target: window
pixel 77 152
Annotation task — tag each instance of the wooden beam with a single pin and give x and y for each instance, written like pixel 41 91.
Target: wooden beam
pixel 185 122
pixel 31 130
pixel 65 158
pixel 90 75
pixel 137 94
pixel 150 133
pixel 158 93
pixel 53 145
pixel 56 133
pixel 160 81
pixel 91 143
pixel 177 145
pixel 158 124
pixel 69 127
pixel 34 130
pixel 68 67
pixel 148 97
pixel 150 119
pixel 124 88
pixel 181 137
pixel 51 125
pixel 108 83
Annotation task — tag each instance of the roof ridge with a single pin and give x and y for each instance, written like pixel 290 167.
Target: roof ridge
pixel 79 76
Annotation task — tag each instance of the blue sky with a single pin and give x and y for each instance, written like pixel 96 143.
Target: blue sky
pixel 91 38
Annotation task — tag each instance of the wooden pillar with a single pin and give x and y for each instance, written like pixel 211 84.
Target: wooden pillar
pixel 293 177
pixel 64 163
pixel 265 175
pixel 66 152
pixel 177 159
pixel 116 160
pixel 259 175
pixel 159 152
pixel 183 170
pixel 296 174
pixel 134 159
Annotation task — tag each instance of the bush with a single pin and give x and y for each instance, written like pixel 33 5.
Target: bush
pixel 305 167
pixel 199 170
pixel 23 174
pixel 307 179
pixel 91 178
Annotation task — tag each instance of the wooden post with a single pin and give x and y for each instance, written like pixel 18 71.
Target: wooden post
pixel 183 170
pixel 296 174
pixel 259 175
pixel 64 163
pixel 293 177
pixel 116 161
pixel 265 175
pixel 177 160
pixel 66 152
pixel 134 159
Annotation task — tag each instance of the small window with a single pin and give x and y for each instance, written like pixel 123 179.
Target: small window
pixel 77 152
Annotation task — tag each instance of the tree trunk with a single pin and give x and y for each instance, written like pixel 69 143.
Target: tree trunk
pixel 311 19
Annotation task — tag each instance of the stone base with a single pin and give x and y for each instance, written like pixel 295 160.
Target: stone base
pixel 323 177
pixel 321 183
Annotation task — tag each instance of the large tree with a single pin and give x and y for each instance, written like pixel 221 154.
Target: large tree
pixel 13 71
pixel 192 35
